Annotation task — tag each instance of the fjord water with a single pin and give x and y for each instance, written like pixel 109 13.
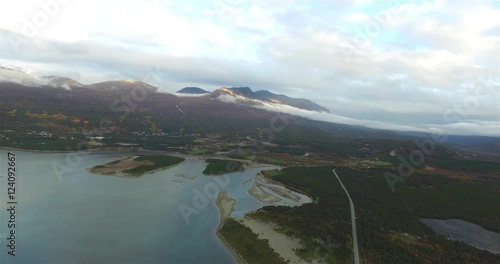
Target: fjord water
pixel 79 217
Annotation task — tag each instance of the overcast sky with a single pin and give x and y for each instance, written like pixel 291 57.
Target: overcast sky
pixel 418 65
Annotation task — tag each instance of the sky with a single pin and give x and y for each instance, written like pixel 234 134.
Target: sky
pixel 425 65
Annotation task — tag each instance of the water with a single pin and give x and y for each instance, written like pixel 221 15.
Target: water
pixel 79 217
pixel 466 232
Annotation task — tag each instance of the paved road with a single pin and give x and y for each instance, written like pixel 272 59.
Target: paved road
pixel 353 222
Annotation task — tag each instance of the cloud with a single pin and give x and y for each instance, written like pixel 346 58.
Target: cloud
pixel 463 127
pixel 405 63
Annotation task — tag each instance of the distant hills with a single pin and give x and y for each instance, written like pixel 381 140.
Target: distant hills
pixel 64 82
pixel 266 96
pixel 59 104
pixel 235 95
pixel 192 90
pixel 122 85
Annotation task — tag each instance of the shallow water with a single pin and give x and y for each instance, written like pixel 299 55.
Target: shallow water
pixel 79 217
pixel 467 232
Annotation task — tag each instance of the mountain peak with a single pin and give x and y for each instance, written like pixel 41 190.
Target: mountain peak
pixel 18 76
pixel 59 81
pixel 192 90
pixel 121 85
pixel 267 96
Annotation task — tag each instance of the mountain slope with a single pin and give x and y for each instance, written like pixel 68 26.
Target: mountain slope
pixel 122 85
pixel 8 75
pixel 192 90
pixel 64 82
pixel 266 96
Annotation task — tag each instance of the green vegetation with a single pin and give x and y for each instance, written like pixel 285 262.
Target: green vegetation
pixel 389 229
pixel 218 166
pixel 377 162
pixel 384 218
pixel 466 164
pixel 198 151
pixel 313 223
pixel 271 173
pixel 248 245
pixel 272 160
pixel 436 196
pixel 159 161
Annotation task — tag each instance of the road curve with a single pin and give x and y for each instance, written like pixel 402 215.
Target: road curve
pixel 353 222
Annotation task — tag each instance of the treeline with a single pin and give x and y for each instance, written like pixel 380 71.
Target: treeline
pixel 436 196
pixel 323 225
pixel 249 246
pixel 389 229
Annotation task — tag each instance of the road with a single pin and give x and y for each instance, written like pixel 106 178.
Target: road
pixel 353 222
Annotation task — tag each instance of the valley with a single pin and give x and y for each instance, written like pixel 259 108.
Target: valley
pixel 249 132
pixel 160 131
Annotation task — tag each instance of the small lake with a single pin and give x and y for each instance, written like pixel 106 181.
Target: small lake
pixel 467 232
pixel 79 217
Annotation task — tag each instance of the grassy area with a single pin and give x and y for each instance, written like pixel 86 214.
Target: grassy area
pixel 218 166
pixel 197 151
pixel 404 237
pixel 272 160
pixel 159 161
pixel 271 173
pixel 377 162
pixel 248 245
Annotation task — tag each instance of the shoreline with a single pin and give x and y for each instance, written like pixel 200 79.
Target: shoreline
pixel 270 191
pixel 121 150
pixel 226 207
pixel 122 175
pixel 123 167
pixel 283 245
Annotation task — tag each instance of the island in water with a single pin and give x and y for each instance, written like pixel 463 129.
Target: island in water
pixel 136 166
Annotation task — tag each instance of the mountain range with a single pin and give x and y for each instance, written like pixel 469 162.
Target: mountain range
pixel 192 90
pixel 232 110
pixel 239 95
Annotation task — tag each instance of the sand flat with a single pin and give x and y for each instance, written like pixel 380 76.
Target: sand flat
pixel 281 243
pixel 118 167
